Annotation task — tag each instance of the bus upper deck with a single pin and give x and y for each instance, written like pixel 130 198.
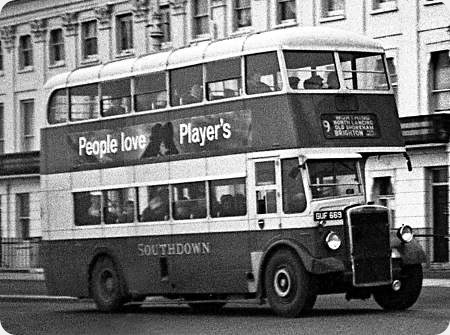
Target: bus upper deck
pixel 223 97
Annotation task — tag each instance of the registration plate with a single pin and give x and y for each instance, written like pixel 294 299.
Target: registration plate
pixel 328 215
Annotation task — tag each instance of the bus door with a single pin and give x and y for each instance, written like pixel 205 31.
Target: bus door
pixel 264 195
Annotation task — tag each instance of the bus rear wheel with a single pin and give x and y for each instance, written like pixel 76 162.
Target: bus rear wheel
pixel 287 284
pixel 107 286
pixel 411 284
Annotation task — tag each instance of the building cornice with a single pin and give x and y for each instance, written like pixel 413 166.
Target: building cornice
pixel 8 36
pixel 70 23
pixel 140 10
pixel 104 14
pixel 39 29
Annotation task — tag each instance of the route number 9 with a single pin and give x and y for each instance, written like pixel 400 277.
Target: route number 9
pixel 326 125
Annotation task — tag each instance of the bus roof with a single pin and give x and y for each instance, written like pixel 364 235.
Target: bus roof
pixel 295 38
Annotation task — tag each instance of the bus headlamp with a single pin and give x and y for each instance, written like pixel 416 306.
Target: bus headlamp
pixel 333 240
pixel 405 234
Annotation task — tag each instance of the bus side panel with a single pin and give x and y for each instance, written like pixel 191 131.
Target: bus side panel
pixel 65 269
pixel 220 267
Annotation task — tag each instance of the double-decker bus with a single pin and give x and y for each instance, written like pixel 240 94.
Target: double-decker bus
pixel 228 169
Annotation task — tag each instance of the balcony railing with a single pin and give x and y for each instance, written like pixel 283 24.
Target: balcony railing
pixel 422 129
pixel 16 254
pixel 19 163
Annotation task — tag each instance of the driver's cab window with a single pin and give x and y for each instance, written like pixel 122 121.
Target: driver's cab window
pixel 294 199
pixel 266 192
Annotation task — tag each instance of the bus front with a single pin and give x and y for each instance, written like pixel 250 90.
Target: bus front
pixel 345 112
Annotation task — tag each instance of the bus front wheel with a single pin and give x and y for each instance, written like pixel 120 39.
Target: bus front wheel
pixel 107 286
pixel 411 284
pixel 287 284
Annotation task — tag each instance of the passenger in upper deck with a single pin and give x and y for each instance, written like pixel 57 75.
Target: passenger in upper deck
pixel 314 83
pixel 332 81
pixel 194 95
pixel 255 85
pixel 293 82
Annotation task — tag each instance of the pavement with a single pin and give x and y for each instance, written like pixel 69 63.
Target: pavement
pixel 30 284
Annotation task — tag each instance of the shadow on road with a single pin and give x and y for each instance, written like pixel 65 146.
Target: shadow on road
pixel 227 311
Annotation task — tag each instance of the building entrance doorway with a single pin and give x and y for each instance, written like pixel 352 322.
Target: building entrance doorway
pixel 440 215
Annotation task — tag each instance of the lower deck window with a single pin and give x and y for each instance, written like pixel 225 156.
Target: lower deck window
pixel 189 201
pixel 227 198
pixel 87 208
pixel 154 202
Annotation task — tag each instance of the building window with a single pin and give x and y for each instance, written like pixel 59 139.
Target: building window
pixel 285 11
pixel 243 13
pixel 384 4
pixel 332 8
pixel 25 52
pixel 124 32
pixel 440 62
pixel 56 45
pixel 383 194
pixel 1 56
pixel 2 131
pixel 165 22
pixel 89 39
pixel 201 18
pixel 27 117
pixel 23 215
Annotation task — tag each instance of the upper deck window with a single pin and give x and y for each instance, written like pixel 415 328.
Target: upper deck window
pixel 58 108
pixel 361 71
pixel 262 73
pixel 311 70
pixel 150 92
pixel 334 178
pixel 186 85
pixel 84 102
pixel 116 97
pixel 223 79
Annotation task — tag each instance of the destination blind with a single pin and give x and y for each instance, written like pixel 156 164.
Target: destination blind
pixel 350 126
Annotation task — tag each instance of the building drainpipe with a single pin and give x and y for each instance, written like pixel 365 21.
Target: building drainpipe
pixel 8 208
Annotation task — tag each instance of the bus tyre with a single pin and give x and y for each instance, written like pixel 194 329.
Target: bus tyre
pixel 411 284
pixel 287 284
pixel 107 286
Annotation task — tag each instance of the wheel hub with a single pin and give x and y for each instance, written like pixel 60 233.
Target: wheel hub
pixel 108 282
pixel 282 282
